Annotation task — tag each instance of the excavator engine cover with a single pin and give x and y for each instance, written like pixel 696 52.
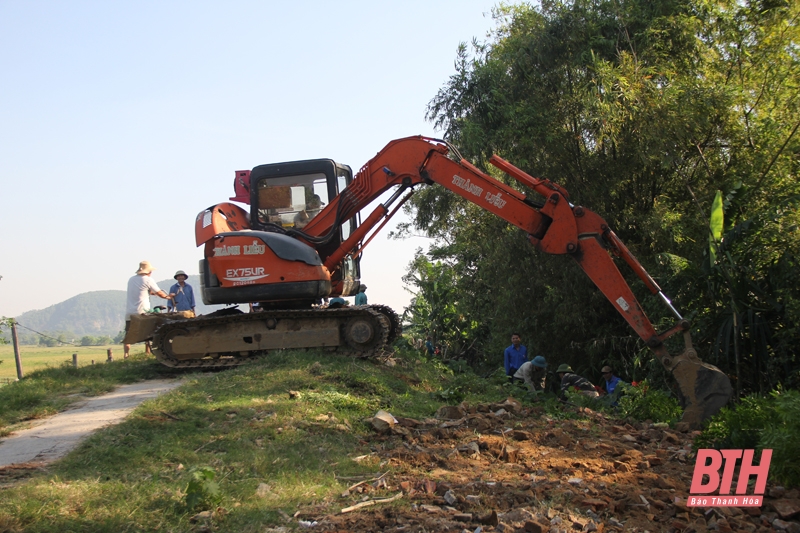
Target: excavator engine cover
pixel 254 266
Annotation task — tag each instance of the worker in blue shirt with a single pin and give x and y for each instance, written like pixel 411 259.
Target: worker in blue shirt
pixel 181 294
pixel 337 303
pixel 429 345
pixel 611 380
pixel 514 356
pixel 361 298
pixel 612 384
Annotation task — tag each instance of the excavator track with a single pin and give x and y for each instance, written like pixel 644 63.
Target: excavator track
pixel 395 325
pixel 231 340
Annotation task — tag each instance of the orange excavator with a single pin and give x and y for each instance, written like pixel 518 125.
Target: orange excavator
pixel 300 243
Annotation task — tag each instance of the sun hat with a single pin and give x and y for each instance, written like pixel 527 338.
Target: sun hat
pixel 145 268
pixel 179 273
pixel 539 361
pixel 606 369
pixel 564 368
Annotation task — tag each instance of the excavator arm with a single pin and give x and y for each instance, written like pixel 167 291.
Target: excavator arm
pixel 554 226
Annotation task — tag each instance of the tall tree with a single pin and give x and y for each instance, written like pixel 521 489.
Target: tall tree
pixel 643 110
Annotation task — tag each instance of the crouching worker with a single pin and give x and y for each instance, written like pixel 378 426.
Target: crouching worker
pixel 572 381
pixel 612 382
pixel 533 373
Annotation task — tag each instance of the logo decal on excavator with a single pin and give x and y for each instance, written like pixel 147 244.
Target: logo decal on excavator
pixel 227 250
pixel 495 199
pixel 458 181
pixel 254 249
pixel 244 276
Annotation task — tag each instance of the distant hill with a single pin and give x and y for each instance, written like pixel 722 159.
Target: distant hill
pixel 90 313
pixel 94 313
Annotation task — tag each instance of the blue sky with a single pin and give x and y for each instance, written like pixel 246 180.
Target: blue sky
pixel 120 121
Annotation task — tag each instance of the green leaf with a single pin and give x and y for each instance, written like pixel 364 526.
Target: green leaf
pixel 716 223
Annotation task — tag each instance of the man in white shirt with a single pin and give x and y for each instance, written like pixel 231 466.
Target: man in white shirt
pixel 140 287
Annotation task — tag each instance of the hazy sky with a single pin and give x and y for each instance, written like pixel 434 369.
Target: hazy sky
pixel 120 121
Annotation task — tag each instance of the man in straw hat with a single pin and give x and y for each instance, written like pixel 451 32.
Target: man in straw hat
pixel 140 287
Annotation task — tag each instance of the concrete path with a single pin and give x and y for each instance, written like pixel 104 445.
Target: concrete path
pixel 53 438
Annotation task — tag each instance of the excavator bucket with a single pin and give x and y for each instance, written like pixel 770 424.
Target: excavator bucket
pixel 704 388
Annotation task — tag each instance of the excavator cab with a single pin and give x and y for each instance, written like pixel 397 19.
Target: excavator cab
pixel 266 256
pixel 288 196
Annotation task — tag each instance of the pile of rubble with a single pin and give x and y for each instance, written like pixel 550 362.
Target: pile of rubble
pixel 505 467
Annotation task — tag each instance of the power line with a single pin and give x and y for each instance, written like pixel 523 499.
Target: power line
pixel 45 335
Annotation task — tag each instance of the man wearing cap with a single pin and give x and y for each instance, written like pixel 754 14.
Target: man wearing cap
pixel 361 298
pixel 612 383
pixel 572 381
pixel 181 294
pixel 140 287
pixel 533 373
pixel 611 380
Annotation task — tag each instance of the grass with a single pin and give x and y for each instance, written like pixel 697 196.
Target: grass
pixel 36 357
pixel 244 425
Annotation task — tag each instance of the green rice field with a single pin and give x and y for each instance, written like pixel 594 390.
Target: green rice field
pixel 41 357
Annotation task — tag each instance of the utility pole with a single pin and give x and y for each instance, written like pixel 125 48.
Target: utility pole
pixel 16 348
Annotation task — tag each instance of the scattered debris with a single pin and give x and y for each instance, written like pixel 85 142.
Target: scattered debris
pixel 372 502
pixel 471 469
pixel 382 422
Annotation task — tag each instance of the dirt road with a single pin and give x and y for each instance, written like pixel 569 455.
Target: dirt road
pixel 52 438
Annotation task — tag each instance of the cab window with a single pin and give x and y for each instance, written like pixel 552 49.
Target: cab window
pixel 291 201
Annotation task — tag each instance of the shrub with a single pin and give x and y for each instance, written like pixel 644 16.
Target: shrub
pixel 554 408
pixel 455 389
pixel 782 435
pixel 761 422
pixel 737 427
pixel 202 490
pixel 641 402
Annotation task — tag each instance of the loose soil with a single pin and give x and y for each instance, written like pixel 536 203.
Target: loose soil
pixel 505 467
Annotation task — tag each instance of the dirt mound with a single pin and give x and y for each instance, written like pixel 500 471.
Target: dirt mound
pixel 505 467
